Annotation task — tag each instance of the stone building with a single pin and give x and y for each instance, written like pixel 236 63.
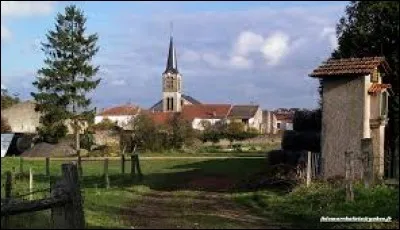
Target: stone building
pixel 23 118
pixel 354 106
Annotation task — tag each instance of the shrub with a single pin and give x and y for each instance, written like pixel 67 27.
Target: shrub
pixel 299 141
pixel 86 141
pixel 307 120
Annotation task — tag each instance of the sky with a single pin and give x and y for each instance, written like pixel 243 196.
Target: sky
pixel 228 52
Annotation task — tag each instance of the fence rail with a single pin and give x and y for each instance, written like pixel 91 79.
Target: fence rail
pixel 65 201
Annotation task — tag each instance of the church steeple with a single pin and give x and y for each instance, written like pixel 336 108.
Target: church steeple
pixel 172 63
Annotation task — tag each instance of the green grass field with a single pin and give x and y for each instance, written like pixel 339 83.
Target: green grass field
pixel 201 193
pixel 108 208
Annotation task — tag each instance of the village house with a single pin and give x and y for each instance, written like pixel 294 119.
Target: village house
pixel 199 115
pixel 354 105
pixel 121 115
pixel 284 121
pixel 269 122
pixel 249 115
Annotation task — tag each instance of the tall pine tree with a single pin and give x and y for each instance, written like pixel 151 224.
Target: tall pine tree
pixel 66 77
pixel 371 28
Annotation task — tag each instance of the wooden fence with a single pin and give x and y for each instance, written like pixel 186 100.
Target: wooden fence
pixel 65 201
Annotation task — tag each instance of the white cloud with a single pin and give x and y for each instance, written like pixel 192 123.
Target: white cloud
pixel 190 56
pixel 25 8
pixel 213 59
pixel 330 34
pixel 5 33
pixel 118 82
pixel 240 62
pixel 248 42
pixel 276 46
pixel 3 86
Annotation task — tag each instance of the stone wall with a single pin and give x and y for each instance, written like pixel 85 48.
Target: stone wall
pixel 106 137
pixel 342 123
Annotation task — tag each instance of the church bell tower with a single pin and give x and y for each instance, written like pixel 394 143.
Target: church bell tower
pixel 172 82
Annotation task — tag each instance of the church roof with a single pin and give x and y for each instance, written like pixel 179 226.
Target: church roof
pixel 172 63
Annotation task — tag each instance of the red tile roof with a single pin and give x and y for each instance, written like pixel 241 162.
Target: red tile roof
pixel 350 66
pixel 159 118
pixel 120 111
pixel 284 116
pixel 205 111
pixel 377 88
pixel 243 111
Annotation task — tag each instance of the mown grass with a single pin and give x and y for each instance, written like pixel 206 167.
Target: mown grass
pixel 112 208
pixel 305 206
pixel 102 206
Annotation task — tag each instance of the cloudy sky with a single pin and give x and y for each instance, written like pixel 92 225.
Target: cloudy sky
pixel 228 52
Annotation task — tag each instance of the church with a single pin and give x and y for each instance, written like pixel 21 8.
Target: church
pixel 172 98
pixel 174 101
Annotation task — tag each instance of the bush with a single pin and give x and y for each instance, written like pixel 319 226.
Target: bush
pixel 86 141
pixel 307 120
pixel 299 141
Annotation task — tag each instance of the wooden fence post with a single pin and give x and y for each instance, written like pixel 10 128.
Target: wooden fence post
pixel 30 184
pixel 21 165
pixel 47 166
pixel 133 164
pixel 13 173
pixel 367 152
pixel 80 166
pixel 138 166
pixel 308 168
pixel 107 180
pixel 71 216
pixel 8 188
pixel 349 185
pixel 123 164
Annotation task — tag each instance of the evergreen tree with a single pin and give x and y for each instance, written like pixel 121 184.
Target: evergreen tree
pixel 66 77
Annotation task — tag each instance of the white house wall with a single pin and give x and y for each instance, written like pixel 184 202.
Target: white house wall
pixel 121 120
pixel 196 123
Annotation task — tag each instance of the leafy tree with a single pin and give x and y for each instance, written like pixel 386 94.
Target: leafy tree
pixel 67 76
pixel 5 127
pixel 182 132
pixel 368 29
pixel 7 100
pixel 144 132
pixel 235 131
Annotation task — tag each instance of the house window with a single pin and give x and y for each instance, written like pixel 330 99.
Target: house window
pixel 278 125
pixel 384 103
pixel 172 104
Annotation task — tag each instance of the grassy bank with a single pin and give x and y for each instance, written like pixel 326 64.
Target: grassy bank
pixel 305 206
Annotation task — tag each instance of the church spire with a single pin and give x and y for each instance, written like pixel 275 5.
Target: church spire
pixel 172 64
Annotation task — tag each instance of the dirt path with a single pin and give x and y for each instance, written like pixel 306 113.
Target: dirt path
pixel 192 210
